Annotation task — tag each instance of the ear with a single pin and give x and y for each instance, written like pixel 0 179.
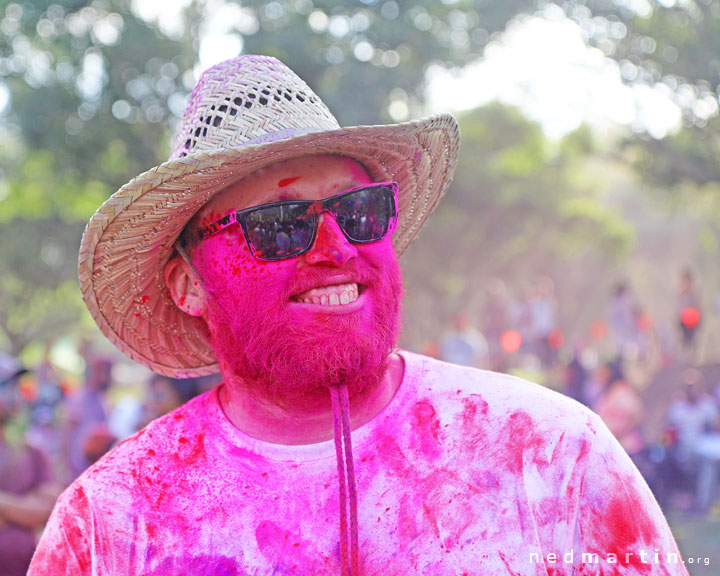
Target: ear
pixel 185 287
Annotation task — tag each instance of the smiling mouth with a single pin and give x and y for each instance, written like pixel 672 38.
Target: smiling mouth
pixel 335 295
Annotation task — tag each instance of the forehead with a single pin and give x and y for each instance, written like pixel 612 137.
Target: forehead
pixel 304 178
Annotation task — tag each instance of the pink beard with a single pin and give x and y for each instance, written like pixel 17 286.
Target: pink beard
pixel 258 338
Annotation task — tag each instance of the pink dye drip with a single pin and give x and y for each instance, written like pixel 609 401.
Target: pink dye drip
pixel 347 490
pixel 287 181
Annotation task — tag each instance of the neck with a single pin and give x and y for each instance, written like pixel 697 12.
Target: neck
pixel 292 421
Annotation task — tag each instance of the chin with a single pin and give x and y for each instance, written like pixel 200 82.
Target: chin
pixel 290 356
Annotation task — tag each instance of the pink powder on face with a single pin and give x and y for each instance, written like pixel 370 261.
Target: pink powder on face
pixel 258 331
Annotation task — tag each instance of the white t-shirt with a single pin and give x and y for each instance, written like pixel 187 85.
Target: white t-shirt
pixel 692 420
pixel 464 472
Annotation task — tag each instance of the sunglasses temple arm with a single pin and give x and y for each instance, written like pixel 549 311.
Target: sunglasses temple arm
pixel 184 255
pixel 218 225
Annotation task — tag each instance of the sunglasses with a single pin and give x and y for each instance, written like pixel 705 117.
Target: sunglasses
pixel 287 229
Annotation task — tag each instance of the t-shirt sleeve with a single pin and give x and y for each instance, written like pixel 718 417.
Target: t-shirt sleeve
pixel 620 523
pixel 66 544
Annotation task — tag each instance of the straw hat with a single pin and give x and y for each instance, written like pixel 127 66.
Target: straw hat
pixel 244 114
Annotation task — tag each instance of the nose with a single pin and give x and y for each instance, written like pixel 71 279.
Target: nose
pixel 330 244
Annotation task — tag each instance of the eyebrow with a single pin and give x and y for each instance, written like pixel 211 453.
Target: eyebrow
pixel 285 194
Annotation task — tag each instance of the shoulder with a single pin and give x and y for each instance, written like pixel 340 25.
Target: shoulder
pixel 161 440
pixel 503 397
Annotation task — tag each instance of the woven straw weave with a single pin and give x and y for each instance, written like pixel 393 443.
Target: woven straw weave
pixel 221 139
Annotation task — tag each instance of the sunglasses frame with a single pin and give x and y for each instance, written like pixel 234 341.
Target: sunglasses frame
pixel 315 207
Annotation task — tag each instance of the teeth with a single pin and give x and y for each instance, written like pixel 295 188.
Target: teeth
pixel 330 295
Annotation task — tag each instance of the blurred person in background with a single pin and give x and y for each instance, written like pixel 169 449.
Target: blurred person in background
pixel 598 382
pixel 87 413
pixel 575 377
pixel 464 344
pixel 495 319
pixel 543 318
pixel 622 320
pixel 689 311
pixel 693 418
pixel 165 394
pixel 27 487
pixel 621 408
pixel 430 348
pixel 45 429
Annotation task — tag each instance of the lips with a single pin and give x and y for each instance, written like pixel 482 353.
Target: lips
pixel 332 295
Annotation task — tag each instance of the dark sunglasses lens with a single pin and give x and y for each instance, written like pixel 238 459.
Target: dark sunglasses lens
pixel 365 214
pixel 277 232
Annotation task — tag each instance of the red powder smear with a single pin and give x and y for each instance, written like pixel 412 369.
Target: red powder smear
pixel 287 181
pixel 430 514
pixel 502 557
pixel 624 529
pixel 520 438
pixel 474 412
pixel 426 428
pixel 76 538
pixel 283 548
pixel 199 449
pixel 407 527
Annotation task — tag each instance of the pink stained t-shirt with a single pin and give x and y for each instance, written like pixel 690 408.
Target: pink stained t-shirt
pixel 464 472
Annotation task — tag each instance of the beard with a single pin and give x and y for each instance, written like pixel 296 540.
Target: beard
pixel 293 355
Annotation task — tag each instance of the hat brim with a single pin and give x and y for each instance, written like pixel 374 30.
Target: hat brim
pixel 131 237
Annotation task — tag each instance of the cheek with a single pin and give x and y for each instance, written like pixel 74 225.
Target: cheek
pixel 379 254
pixel 228 261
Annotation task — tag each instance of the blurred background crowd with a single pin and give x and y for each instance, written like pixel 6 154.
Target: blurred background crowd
pixel 578 246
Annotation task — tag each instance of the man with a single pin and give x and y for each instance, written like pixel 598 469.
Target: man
pixel 267 248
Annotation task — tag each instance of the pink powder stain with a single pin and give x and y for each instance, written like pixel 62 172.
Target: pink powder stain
pixel 199 448
pixel 520 439
pixel 390 455
pixel 624 529
pixel 76 539
pixel 546 511
pixel 406 524
pixel 287 181
pixel 203 564
pixel 474 415
pixel 285 550
pixel 507 565
pixel 426 430
pixel 456 503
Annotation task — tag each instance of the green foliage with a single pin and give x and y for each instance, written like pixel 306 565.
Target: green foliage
pixel 359 56
pixel 514 211
pixel 690 156
pixel 91 87
pixel 39 297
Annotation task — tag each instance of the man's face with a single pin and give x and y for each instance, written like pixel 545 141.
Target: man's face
pixel 303 323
